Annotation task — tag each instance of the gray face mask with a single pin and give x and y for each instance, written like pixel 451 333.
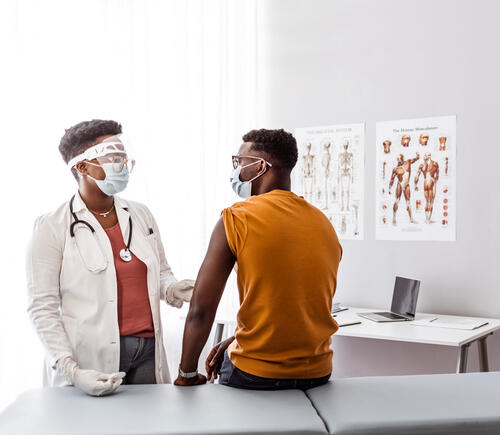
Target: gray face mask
pixel 242 188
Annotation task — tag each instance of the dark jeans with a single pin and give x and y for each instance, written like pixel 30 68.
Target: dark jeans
pixel 137 359
pixel 234 377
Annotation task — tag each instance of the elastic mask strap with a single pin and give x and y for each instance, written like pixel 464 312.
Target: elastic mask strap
pixel 258 175
pixel 93 164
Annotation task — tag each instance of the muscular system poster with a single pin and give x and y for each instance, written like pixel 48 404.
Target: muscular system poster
pixel 416 179
pixel 330 174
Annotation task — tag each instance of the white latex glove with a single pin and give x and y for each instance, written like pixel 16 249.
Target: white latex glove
pixel 91 382
pixel 180 292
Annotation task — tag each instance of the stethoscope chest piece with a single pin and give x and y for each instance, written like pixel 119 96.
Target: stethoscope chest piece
pixel 125 255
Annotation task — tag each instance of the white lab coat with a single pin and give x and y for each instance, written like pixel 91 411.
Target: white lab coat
pixel 73 292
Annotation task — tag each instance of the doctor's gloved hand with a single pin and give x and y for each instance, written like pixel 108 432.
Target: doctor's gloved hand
pixel 91 382
pixel 96 383
pixel 180 292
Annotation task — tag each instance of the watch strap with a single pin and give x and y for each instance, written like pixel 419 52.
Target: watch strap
pixel 188 375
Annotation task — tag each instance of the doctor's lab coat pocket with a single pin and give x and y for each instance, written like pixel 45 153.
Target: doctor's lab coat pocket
pixel 90 250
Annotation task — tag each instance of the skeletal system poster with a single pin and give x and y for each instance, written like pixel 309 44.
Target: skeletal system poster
pixel 329 174
pixel 415 179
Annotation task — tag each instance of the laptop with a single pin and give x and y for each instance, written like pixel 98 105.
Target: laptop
pixel 404 302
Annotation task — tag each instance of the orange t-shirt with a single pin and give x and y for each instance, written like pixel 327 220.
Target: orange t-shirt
pixel 288 255
pixel 134 311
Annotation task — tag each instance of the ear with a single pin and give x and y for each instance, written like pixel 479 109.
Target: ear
pixel 81 168
pixel 262 166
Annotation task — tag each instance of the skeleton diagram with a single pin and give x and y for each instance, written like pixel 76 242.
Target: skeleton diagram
pixel 423 139
pixel 405 140
pixel 343 225
pixel 430 171
pixel 355 207
pixel 442 143
pixel 387 146
pixel 308 174
pixel 403 172
pixel 325 162
pixel 446 166
pixel 383 170
pixel 345 175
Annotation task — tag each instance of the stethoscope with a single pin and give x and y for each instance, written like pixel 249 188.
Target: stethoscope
pixel 125 253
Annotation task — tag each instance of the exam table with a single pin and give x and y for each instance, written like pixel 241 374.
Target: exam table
pixel 424 404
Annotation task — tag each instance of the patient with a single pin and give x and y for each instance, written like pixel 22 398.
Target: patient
pixel 287 254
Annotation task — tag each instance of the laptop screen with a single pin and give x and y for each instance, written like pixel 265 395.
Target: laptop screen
pixel 404 298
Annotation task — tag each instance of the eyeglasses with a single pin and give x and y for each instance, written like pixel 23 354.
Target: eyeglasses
pixel 117 163
pixel 236 160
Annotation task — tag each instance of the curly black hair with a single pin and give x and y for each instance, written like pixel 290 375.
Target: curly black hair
pixel 280 145
pixel 81 136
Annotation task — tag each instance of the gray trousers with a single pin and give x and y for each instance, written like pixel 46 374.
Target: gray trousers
pixel 137 360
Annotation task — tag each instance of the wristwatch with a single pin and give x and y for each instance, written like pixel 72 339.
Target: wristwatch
pixel 187 375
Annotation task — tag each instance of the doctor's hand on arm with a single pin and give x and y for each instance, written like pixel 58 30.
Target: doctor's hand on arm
pixel 210 284
pixel 180 292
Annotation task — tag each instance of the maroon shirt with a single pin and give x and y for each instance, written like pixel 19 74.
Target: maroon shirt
pixel 134 310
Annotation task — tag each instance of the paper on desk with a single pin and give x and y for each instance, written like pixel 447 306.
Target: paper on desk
pixel 453 323
pixel 348 323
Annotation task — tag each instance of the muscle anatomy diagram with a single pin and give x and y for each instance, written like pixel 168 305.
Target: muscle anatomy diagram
pixel 430 172
pixel 420 164
pixel 402 173
pixel 330 174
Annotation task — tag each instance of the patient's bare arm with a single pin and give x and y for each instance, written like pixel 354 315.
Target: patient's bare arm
pixel 208 290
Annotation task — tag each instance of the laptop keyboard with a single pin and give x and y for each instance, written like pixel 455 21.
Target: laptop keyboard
pixel 391 316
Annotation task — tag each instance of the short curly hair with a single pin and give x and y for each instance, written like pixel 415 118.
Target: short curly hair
pixel 81 136
pixel 280 145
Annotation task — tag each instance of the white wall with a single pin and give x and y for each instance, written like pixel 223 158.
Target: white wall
pixel 324 62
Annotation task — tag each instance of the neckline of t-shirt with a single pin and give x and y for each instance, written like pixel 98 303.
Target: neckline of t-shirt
pixel 113 227
pixel 286 192
pixel 281 191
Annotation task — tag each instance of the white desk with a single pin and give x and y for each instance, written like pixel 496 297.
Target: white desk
pixel 404 331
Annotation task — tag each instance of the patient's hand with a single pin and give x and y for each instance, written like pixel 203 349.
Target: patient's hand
pixel 216 357
pixel 188 382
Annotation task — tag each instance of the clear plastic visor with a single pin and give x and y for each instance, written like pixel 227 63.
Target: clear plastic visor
pixel 117 162
pixel 110 151
pixel 113 153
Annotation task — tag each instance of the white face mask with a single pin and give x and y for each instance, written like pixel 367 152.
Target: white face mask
pixel 114 182
pixel 243 188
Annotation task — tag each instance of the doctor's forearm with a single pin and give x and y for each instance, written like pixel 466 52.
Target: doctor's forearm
pixel 196 332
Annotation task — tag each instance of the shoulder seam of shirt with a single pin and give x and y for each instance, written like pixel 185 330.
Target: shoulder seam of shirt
pixel 231 210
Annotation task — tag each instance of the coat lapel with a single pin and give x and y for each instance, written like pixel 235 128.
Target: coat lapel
pixel 138 244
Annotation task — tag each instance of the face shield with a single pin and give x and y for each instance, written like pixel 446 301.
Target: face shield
pixel 110 152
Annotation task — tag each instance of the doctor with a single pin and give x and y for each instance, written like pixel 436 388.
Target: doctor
pixel 97 272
